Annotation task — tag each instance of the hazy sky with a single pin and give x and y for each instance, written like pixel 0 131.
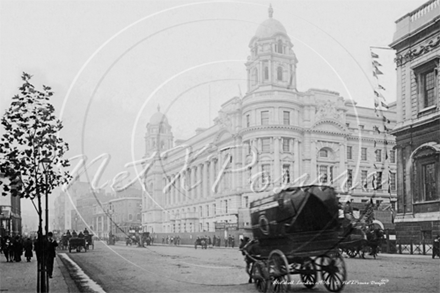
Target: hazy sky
pixel 111 63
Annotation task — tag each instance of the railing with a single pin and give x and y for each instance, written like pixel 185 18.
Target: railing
pixel 421 11
pixel 415 248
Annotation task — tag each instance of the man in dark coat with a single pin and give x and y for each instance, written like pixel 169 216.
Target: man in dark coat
pixel 18 248
pixel 50 253
pixel 28 245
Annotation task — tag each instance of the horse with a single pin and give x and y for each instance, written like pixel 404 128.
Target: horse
pixel 374 240
pixel 201 242
pixel 250 250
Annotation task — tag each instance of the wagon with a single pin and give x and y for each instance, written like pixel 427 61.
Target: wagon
pixel 297 233
pixel 77 244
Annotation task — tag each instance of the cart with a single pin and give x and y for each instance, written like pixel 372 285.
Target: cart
pixel 77 244
pixel 296 232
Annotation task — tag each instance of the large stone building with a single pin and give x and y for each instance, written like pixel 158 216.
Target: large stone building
pixel 272 137
pixel 417 44
pixel 10 213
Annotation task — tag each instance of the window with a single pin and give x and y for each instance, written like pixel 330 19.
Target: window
pixel 378 180
pixel 363 154
pixel 428 88
pixel 323 174
pixel 226 206
pixel 392 181
pixel 364 175
pixel 393 156
pixel 286 145
pixel 286 174
pixel 265 176
pixel 266 73
pixel 349 152
pixel 323 153
pixel 265 145
pixel 248 120
pixel 429 184
pixel 264 117
pixel 378 155
pixel 361 127
pixel 246 201
pixel 130 217
pixel 280 73
pixel 286 117
pixel 427 84
pixel 349 178
pixel 280 46
pixel 207 210
pixel 214 209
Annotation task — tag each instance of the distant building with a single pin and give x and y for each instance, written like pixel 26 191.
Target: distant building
pixel 273 137
pixel 119 213
pixel 417 44
pixel 10 213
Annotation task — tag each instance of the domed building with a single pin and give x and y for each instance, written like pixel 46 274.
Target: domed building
pixel 272 137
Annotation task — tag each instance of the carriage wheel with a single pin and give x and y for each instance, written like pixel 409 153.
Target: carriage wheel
pixel 279 271
pixel 309 276
pixel 333 272
pixel 260 276
pixel 351 252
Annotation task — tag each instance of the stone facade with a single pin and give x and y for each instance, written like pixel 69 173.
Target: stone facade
pixel 273 137
pixel 417 45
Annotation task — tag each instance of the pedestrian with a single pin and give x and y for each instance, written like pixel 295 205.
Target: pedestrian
pixel 348 211
pixel 50 253
pixel 28 245
pixel 18 248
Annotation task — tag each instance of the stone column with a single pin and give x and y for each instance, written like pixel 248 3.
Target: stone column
pixel 342 155
pixel 313 167
pixel 211 176
pixel 205 180
pixel 187 183
pixel 199 189
pixel 296 159
pixel 270 71
pixel 276 161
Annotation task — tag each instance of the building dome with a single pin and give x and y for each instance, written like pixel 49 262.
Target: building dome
pixel 270 27
pixel 158 118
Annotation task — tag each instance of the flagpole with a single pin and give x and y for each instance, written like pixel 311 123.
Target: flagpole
pixel 377 47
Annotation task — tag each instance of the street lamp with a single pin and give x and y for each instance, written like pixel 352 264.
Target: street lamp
pixel 43 281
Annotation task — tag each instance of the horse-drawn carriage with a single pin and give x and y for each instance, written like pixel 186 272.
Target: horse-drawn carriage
pixel 77 244
pixel 295 232
pixel 202 242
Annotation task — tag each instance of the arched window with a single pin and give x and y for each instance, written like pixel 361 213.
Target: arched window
pixel 280 46
pixel 266 73
pixel 280 73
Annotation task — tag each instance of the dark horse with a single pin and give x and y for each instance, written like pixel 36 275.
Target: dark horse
pixel 375 238
pixel 202 242
pixel 250 250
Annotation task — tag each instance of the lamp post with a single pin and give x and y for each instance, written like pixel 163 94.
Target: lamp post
pixel 43 281
pixel 110 234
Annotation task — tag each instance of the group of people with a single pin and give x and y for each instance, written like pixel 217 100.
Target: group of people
pixel 171 240
pixel 14 247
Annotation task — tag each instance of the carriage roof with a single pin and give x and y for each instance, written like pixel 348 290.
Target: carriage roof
pixel 309 211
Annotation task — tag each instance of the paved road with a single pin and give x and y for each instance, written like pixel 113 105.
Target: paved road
pixel 184 269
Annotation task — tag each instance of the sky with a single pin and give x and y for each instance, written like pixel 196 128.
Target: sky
pixel 112 63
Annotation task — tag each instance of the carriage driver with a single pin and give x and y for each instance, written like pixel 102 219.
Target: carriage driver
pixel 86 232
pixel 348 209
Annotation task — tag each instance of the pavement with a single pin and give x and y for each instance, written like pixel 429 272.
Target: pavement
pixel 21 277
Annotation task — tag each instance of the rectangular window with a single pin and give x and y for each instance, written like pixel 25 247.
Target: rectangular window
pixel 323 153
pixel 265 145
pixel 265 176
pixel 286 117
pixel 428 88
pixel 286 145
pixel 286 174
pixel 264 117
pixel 349 178
pixel 226 206
pixel 378 180
pixel 392 181
pixel 246 201
pixel 429 184
pixel 378 155
pixel 363 154
pixel 323 174
pixel 207 210
pixel 248 120
pixel 349 152
pixel 393 156
pixel 364 175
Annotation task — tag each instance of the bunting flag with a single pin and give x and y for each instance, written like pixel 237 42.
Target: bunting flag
pixel 376 129
pixel 374 55
pixel 376 63
pixel 381 87
pixel 384 105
